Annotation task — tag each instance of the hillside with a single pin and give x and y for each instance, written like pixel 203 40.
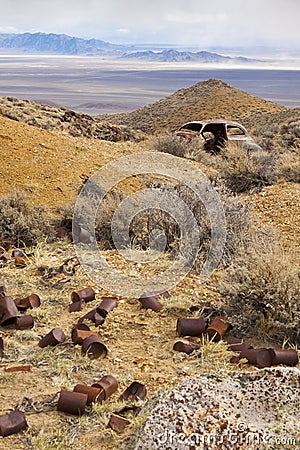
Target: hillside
pixel 205 100
pixel 48 153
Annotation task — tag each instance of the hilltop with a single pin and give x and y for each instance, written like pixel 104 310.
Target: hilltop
pixel 205 100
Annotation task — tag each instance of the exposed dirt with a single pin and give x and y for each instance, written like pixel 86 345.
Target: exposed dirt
pixel 50 166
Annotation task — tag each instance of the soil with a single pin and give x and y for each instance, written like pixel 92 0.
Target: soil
pixel 50 166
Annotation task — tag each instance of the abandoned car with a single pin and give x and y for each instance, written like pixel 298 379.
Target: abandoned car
pixel 216 133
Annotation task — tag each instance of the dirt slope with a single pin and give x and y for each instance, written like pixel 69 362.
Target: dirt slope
pixel 206 100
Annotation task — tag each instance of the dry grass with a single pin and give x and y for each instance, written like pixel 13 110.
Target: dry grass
pixel 262 290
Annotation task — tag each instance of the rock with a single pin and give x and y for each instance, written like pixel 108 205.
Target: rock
pixel 222 410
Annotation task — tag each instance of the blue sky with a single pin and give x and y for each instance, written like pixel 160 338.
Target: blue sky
pixel 190 23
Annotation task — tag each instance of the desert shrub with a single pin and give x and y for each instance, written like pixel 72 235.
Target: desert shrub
pixel 261 286
pixel 170 143
pixel 20 222
pixel 246 171
pixel 87 204
pixel 288 166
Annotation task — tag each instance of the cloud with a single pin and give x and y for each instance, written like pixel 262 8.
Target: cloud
pixel 190 22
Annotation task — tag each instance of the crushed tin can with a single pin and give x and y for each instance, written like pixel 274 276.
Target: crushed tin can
pixel 218 327
pixel 78 336
pixel 184 347
pixel 136 391
pixel 94 347
pixel 86 294
pixel 54 337
pixel 76 306
pixel 118 423
pixel 237 345
pixel 288 357
pixel 12 423
pixel 190 327
pixel 108 383
pixel 72 402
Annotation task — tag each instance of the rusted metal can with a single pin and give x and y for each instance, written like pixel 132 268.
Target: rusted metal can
pixel 94 347
pixel 8 311
pixel 118 423
pixel 2 291
pixel 237 345
pixel 183 347
pixel 12 423
pixel 288 357
pixel 108 383
pixel 107 304
pixel 54 337
pixel 78 336
pixel 150 301
pixel 24 322
pixel 76 306
pixel 94 317
pixel 258 357
pixel 32 301
pixel 190 327
pixel 86 294
pixel 72 402
pixel 218 327
pixel 92 393
pixel 136 391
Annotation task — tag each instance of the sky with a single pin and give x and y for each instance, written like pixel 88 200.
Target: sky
pixel 187 23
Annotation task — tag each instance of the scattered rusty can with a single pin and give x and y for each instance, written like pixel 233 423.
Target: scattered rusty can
pixel 258 357
pixel 76 306
pixel 32 301
pixel 92 393
pixel 94 347
pixel 150 301
pixel 117 423
pixel 237 345
pixel 78 336
pixel 190 327
pixel 107 305
pixel 108 383
pixel 288 357
pixel 136 391
pixel 2 291
pixel 24 322
pixel 86 294
pixel 78 326
pixel 217 328
pixel 12 423
pixel 72 402
pixel 54 337
pixel 8 311
pixel 94 317
pixel 183 347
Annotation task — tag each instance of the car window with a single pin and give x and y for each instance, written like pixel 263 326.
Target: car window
pixel 192 126
pixel 233 130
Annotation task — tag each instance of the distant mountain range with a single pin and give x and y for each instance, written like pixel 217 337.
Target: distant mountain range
pixel 177 56
pixel 62 44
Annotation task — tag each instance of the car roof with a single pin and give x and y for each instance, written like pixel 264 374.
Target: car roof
pixel 216 121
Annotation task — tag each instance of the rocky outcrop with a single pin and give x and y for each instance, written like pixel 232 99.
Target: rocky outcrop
pixel 254 410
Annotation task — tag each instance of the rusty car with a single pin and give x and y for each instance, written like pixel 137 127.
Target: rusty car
pixel 217 133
